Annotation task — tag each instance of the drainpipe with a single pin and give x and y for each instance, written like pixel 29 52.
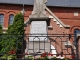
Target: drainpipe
pixel 23 10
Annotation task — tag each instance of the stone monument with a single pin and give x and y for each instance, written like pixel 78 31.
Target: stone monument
pixel 39 9
pixel 38 29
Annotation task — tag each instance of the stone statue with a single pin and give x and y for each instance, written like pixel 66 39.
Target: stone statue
pixel 39 8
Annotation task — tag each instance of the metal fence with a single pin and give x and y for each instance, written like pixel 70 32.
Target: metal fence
pixel 18 46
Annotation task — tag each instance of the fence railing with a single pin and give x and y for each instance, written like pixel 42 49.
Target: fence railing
pixel 18 46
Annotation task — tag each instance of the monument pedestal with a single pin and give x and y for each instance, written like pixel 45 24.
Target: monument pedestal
pixel 38 40
pixel 34 47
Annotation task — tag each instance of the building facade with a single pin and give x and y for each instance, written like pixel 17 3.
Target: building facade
pixel 63 19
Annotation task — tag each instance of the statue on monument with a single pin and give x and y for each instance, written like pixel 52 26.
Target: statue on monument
pixel 39 9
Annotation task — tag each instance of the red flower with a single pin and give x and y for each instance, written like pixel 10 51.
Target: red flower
pixel 12 51
pixel 50 54
pixel 72 56
pixel 44 54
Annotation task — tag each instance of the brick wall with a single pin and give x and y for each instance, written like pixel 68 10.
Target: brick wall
pixel 66 15
pixel 8 9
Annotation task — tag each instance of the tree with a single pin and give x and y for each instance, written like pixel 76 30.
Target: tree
pixel 0 29
pixel 0 37
pixel 18 25
pixel 13 39
pixel 18 29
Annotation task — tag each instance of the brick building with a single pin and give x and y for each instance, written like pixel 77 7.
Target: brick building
pixel 64 15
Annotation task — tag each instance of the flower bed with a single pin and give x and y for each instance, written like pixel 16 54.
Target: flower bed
pixel 43 56
pixel 47 56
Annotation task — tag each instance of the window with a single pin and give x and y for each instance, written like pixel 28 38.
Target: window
pixel 11 19
pixel 76 32
pixel 2 19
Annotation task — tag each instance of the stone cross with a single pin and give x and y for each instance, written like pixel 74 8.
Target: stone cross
pixel 39 8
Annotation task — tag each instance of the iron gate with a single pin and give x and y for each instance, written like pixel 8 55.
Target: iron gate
pixel 14 44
